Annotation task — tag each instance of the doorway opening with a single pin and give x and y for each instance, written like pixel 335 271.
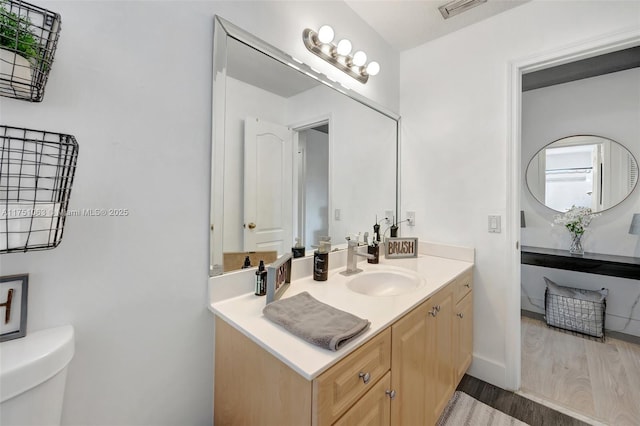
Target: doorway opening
pixel 522 330
pixel 312 161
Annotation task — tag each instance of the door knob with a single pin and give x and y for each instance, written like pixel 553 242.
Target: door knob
pixel 252 225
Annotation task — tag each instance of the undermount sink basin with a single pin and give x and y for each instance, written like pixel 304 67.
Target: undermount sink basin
pixel 385 282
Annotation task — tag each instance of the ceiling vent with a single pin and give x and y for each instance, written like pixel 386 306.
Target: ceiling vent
pixel 456 7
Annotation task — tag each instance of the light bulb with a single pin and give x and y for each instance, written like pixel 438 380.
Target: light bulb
pixel 373 68
pixel 344 47
pixel 325 34
pixel 359 58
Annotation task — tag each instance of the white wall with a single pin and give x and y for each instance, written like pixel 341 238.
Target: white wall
pixel 609 106
pixel 454 102
pixel 132 81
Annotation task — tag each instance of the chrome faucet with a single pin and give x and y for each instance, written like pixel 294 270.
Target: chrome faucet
pixel 352 252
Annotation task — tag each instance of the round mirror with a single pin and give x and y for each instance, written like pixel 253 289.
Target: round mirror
pixel 583 170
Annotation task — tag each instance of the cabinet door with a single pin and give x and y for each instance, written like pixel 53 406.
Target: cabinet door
pixel 373 409
pixel 440 382
pixel 463 326
pixel 409 367
pixel 342 385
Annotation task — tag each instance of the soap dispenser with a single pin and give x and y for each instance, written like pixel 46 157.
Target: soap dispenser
pixel 298 250
pixel 373 248
pixel 261 280
pixel 321 262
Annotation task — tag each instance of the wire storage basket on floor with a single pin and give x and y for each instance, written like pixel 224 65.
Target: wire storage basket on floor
pixel 28 40
pixel 576 310
pixel 36 174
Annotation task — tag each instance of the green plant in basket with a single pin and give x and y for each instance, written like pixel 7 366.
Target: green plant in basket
pixel 16 34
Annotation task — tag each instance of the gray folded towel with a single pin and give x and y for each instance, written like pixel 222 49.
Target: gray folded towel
pixel 314 321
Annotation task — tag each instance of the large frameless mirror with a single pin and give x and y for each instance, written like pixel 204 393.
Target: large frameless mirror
pixel 295 155
pixel 582 170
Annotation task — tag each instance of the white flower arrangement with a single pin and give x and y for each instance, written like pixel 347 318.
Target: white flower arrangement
pixel 576 219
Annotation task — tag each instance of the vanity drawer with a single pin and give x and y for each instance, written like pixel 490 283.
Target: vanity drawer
pixel 462 285
pixel 337 389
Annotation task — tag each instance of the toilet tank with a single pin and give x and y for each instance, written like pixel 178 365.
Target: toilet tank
pixel 33 373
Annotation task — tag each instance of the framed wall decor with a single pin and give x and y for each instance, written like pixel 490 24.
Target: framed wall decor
pixel 278 277
pixel 13 306
pixel 398 248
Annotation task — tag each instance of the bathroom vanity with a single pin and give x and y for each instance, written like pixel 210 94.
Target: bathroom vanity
pixel 401 371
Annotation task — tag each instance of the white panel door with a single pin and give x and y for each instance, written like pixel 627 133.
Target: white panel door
pixel 268 186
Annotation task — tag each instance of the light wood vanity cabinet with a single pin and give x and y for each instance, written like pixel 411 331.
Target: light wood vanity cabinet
pixel 409 372
pixel 338 388
pixel 463 324
pixel 424 345
pixel 440 354
pixel 405 375
pixel 372 409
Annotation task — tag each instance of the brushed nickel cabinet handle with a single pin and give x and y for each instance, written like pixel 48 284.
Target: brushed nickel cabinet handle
pixel 365 377
pixel 467 285
pixel 391 393
pixel 461 315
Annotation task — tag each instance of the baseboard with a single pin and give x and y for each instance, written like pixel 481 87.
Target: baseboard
pixel 489 371
pixel 530 314
pixel 608 333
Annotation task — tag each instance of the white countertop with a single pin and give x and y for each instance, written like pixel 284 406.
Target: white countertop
pixel 244 312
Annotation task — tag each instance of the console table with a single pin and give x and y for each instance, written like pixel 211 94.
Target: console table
pixel 592 263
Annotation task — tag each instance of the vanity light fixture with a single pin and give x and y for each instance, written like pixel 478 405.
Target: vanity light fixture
pixel 339 55
pixel 635 224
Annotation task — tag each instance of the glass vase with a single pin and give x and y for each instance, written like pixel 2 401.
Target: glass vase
pixel 576 245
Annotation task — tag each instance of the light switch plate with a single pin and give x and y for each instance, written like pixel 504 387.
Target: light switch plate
pixel 494 224
pixel 336 214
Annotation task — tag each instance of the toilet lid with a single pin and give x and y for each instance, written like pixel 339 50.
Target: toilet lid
pixel 31 360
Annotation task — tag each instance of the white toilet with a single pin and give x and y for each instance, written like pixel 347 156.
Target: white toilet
pixel 33 371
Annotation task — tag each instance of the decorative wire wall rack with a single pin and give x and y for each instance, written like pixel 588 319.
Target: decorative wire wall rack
pixel 578 315
pixel 28 40
pixel 36 174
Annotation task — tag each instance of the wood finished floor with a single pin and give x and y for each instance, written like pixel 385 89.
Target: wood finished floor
pixel 599 380
pixel 516 406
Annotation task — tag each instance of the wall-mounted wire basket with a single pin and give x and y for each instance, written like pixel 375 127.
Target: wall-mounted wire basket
pixel 28 39
pixel 36 174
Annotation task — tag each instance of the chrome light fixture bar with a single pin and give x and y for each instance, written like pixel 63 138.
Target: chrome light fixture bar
pixel 456 7
pixel 339 55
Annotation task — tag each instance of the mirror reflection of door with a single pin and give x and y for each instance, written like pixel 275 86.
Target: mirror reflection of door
pixel 313 184
pixel 268 186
